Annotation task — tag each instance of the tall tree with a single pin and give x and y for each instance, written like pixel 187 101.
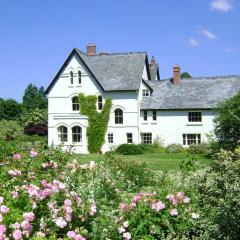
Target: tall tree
pixel 185 75
pixel 34 98
pixel 10 110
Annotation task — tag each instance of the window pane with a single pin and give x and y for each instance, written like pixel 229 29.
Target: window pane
pixel 195 117
pixel 62 134
pixel 75 104
pixel 79 77
pixel 118 116
pixel 129 138
pixel 191 139
pixel 145 115
pixel 110 138
pixel 146 138
pixel 71 77
pixel 154 115
pixel 77 134
pixel 100 102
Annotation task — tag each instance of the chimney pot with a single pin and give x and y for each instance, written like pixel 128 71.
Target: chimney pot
pixel 153 61
pixel 91 49
pixel 176 74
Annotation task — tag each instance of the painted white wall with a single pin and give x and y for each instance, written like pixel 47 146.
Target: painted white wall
pixel 170 125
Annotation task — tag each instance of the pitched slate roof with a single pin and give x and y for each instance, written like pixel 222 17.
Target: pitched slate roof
pixel 192 93
pixel 119 71
pixel 113 72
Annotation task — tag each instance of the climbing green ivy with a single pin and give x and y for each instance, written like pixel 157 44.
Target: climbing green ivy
pixel 97 121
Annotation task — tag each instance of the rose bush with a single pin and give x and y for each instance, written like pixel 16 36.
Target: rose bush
pixel 47 194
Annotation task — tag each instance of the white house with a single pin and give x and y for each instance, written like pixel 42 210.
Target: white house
pixel 144 108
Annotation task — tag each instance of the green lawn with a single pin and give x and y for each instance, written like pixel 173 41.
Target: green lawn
pixel 158 161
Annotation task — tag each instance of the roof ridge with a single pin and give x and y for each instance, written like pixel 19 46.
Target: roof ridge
pixel 212 77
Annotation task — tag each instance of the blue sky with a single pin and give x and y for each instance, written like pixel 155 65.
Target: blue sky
pixel 203 37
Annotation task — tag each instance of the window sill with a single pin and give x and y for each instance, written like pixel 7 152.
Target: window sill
pixel 194 124
pixel 79 86
pixel 153 123
pixel 145 123
pixel 70 86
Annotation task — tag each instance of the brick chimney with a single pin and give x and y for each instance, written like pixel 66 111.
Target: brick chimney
pixel 91 49
pixel 153 62
pixel 176 74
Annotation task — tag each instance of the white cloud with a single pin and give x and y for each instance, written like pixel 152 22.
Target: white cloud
pixel 221 5
pixel 231 50
pixel 208 34
pixel 193 42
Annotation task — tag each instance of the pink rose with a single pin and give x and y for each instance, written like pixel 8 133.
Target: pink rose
pixel 60 222
pixel 17 156
pixel 33 153
pixel 71 234
pixel 173 212
pixel 17 234
pixel 26 226
pixel 4 209
pixel 29 217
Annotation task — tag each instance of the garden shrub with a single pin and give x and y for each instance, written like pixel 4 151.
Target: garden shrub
pixel 152 148
pixel 219 197
pixel 202 148
pixel 227 123
pixel 34 116
pixel 10 130
pixel 129 149
pixel 40 129
pixel 175 148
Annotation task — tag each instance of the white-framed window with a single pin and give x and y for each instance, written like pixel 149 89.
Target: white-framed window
pixel 146 138
pixel 154 115
pixel 118 116
pixel 100 102
pixel 62 134
pixel 129 138
pixel 75 103
pixel 194 116
pixel 145 93
pixel 79 77
pixel 71 77
pixel 191 139
pixel 145 115
pixel 76 134
pixel 110 137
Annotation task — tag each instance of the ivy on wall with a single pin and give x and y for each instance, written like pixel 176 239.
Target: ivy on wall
pixel 98 121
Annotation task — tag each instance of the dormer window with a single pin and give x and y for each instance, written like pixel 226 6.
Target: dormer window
pixel 71 77
pixel 145 93
pixel 100 102
pixel 75 104
pixel 79 77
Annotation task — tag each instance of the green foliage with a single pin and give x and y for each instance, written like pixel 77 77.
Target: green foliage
pixel 10 130
pixel 9 109
pixel 185 75
pixel 227 123
pixel 34 98
pixel 34 116
pixel 218 192
pixel 198 149
pixel 152 148
pixel 175 148
pixel 98 121
pixel 129 149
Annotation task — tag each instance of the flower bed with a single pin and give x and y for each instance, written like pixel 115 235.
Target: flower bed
pixel 46 195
